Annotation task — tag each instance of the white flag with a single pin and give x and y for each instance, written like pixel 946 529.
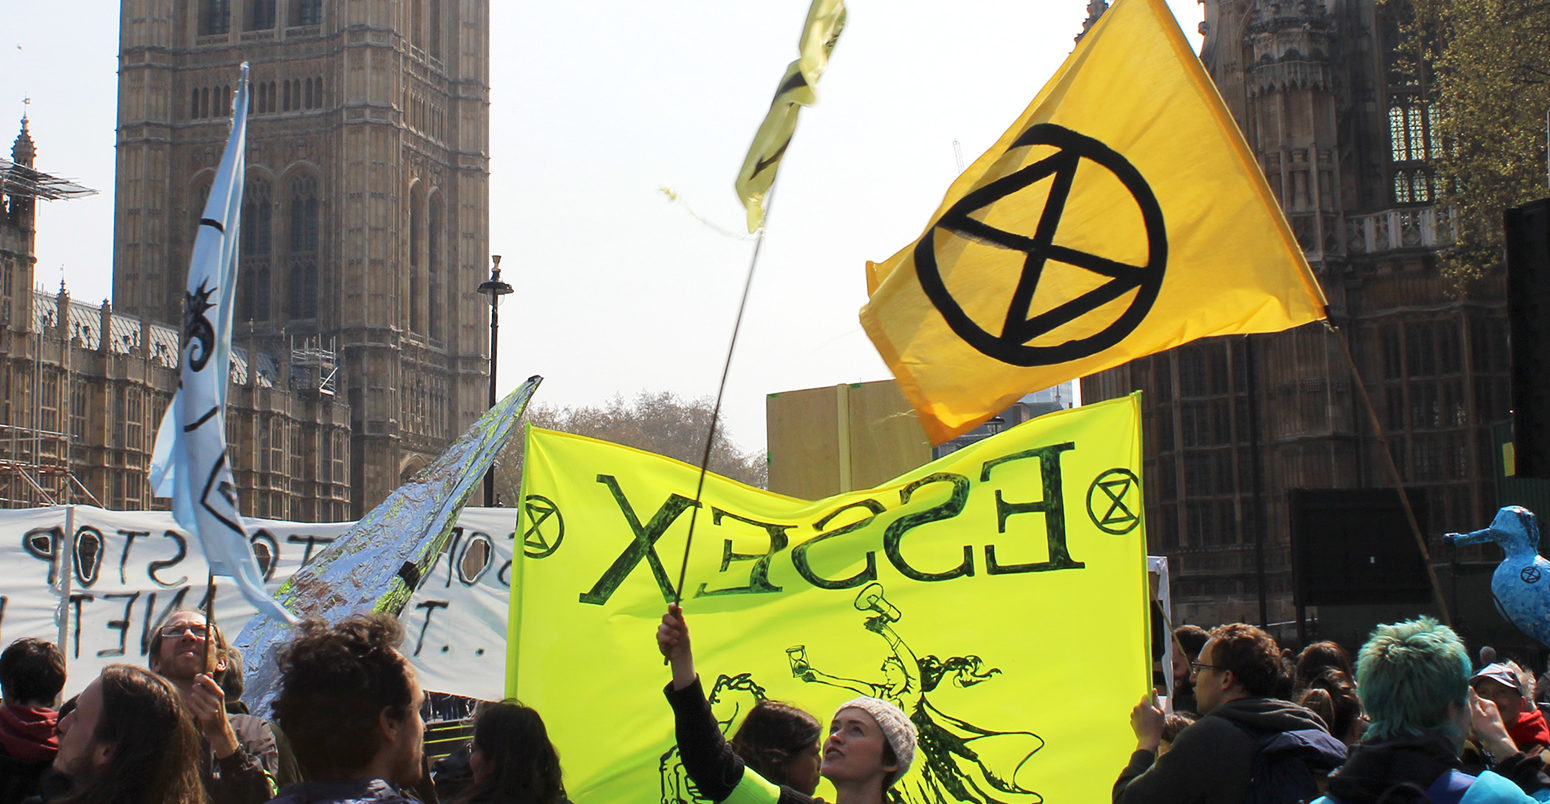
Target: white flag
pixel 190 452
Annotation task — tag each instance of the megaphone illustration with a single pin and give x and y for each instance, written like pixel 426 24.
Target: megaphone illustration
pixel 871 599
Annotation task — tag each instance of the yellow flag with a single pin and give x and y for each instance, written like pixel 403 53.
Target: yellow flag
pixel 1121 215
pixel 825 20
pixel 998 595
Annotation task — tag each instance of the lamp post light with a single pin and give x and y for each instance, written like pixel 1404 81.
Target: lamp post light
pixel 495 289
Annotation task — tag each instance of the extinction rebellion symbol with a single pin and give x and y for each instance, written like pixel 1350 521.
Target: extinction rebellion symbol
pixel 1114 501
pixel 545 527
pixel 1075 161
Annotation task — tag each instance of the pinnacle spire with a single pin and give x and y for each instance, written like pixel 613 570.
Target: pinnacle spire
pixel 22 150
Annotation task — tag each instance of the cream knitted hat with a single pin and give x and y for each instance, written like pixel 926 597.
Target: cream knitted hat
pixel 897 728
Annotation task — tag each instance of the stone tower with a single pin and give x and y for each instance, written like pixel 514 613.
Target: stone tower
pixel 365 220
pixel 17 233
pixel 1343 134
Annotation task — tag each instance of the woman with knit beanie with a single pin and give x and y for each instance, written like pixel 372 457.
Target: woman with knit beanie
pixel 870 745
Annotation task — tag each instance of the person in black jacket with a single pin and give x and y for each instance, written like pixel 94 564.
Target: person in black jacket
pixel 870 746
pixel 1213 760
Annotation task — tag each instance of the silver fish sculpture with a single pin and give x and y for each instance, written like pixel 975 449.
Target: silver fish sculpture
pixel 376 565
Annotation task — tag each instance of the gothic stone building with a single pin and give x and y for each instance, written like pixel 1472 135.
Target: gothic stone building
pixel 365 220
pixel 82 390
pixel 1343 134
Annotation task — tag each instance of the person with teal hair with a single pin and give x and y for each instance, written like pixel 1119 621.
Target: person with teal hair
pixel 1413 678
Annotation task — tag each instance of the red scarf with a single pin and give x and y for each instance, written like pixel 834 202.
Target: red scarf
pixel 27 732
pixel 1531 730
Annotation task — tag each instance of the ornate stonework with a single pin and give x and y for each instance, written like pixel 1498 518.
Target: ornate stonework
pixel 83 387
pixel 1343 137
pixel 366 221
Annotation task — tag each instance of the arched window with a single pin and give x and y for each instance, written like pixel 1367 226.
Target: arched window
pixel 306 12
pixel 197 195
pixel 193 104
pixel 416 260
pixel 215 17
pixel 257 241
pixel 285 96
pixel 434 268
pixel 1413 145
pixel 260 15
pixel 317 91
pixel 417 24
pixel 436 28
pixel 304 247
pixel 196 206
pixel 1399 146
pixel 204 102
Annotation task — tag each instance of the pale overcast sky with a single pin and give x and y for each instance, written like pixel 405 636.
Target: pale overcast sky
pixel 597 105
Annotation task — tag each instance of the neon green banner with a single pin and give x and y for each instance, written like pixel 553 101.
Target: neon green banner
pixel 997 595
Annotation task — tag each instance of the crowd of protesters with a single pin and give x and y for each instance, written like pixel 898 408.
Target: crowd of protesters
pixel 1410 720
pixel 347 727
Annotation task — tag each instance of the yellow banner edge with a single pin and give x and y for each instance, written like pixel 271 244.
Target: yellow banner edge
pixel 518 561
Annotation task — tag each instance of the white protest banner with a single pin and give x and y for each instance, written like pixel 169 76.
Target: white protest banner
pixel 100 582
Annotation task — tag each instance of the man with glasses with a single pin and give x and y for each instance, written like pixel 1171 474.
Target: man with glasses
pixel 239 760
pixel 1245 740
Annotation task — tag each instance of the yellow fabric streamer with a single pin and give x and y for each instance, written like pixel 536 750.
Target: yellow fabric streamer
pixel 1121 215
pixel 825 20
pixel 998 595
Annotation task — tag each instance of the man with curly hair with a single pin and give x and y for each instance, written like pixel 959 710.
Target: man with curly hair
pixel 1245 740
pixel 350 703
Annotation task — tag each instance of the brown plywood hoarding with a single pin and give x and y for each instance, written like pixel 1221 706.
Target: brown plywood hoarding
pixel 823 441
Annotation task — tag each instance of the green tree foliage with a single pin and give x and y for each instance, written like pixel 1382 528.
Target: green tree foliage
pixel 659 422
pixel 1489 64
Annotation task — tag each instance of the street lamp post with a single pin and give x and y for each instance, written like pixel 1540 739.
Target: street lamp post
pixel 495 289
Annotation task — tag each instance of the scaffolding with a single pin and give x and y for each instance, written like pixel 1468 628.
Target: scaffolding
pixel 313 368
pixel 35 469
pixel 24 182
pixel 35 461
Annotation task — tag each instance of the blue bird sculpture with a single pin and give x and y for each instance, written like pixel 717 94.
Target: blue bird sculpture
pixel 1521 583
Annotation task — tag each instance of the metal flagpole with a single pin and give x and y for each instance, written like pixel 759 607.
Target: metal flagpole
pixel 715 413
pixel 66 552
